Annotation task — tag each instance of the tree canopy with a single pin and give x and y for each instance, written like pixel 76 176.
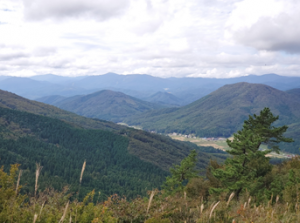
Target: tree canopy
pixel 248 163
pixel 180 173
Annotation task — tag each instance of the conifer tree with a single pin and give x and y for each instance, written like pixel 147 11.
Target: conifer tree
pixel 248 163
pixel 180 173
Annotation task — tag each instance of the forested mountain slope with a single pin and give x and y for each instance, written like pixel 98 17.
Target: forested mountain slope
pixel 154 148
pixel 116 159
pixel 165 98
pixel 15 102
pixel 51 100
pixel 62 148
pixel 107 105
pixel 295 93
pixel 222 112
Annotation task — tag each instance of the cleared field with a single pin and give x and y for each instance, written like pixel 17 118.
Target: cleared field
pixel 222 145
pixel 217 144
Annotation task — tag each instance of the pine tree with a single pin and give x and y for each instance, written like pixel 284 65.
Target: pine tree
pixel 180 173
pixel 248 164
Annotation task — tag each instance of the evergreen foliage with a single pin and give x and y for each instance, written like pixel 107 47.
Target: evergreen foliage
pixel 107 105
pixel 248 164
pixel 181 173
pixel 127 163
pixel 61 149
pixel 157 149
pixel 279 203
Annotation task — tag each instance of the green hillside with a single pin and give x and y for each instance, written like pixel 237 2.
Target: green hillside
pixel 15 102
pixel 107 105
pixel 116 159
pixel 158 149
pixel 165 98
pixel 295 93
pixel 222 112
pixel 51 100
pixel 62 148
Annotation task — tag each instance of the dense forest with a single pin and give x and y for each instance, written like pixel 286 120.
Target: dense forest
pixel 61 149
pixel 128 162
pixel 157 149
pixel 246 188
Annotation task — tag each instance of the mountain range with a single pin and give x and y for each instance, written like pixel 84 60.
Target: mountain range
pixel 222 112
pixel 105 104
pixel 119 159
pixel 136 85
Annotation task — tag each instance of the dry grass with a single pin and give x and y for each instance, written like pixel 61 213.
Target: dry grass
pixel 82 170
pixel 150 200
pixel 18 181
pixel 37 174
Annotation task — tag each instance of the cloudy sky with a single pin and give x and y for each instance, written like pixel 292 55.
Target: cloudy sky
pixel 165 38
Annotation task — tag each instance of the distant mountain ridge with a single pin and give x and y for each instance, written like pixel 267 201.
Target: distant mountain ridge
pixel 164 98
pixel 31 89
pixel 51 100
pixel 136 85
pixel 222 112
pixel 105 104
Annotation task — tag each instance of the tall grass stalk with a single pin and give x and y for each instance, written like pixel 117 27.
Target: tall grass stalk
pixel 212 210
pixel 18 181
pixel 230 198
pixel 82 170
pixel 42 207
pixel 34 218
pixel 150 200
pixel 201 209
pixel 37 174
pixel 249 200
pixel 65 212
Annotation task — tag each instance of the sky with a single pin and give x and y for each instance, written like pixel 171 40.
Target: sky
pixel 163 38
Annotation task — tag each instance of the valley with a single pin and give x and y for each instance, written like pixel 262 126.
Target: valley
pixel 32 132
pixel 149 111
pixel 129 146
pixel 220 143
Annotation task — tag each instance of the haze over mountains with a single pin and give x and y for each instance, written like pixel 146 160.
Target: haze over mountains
pixel 222 112
pixel 105 104
pixel 139 86
pixel 218 113
pixel 295 93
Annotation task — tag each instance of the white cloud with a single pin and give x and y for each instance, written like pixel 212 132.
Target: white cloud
pixel 208 38
pixel 267 25
pixel 57 9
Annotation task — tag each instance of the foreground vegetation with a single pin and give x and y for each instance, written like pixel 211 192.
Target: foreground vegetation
pixel 246 188
pixel 192 204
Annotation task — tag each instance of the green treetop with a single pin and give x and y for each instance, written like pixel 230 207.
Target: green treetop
pixel 181 173
pixel 248 164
